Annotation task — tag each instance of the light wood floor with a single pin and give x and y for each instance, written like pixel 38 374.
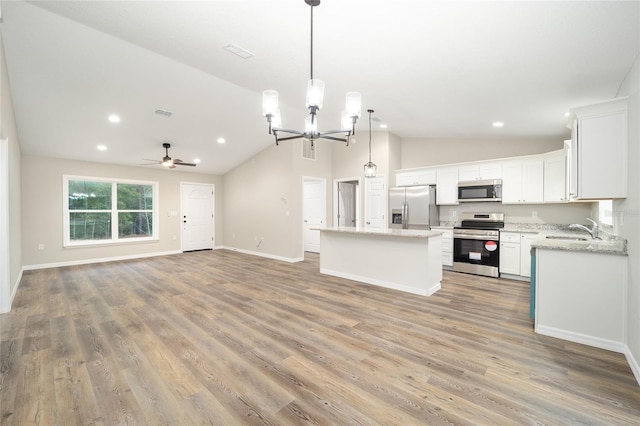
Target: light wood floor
pixel 229 339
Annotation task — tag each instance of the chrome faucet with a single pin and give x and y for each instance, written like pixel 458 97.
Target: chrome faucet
pixel 594 231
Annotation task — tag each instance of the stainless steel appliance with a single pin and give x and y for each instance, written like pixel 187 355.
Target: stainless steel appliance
pixel 480 190
pixel 476 244
pixel 413 207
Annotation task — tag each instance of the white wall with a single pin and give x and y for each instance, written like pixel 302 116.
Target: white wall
pixel 42 208
pixel 627 217
pixel 8 130
pixel 418 152
pixel 263 199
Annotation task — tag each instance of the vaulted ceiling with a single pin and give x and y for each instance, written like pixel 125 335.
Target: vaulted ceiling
pixel 444 69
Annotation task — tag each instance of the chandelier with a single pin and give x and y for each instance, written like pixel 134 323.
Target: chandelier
pixel 315 95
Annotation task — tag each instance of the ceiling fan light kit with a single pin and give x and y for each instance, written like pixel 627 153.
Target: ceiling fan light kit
pixel 314 101
pixel 167 161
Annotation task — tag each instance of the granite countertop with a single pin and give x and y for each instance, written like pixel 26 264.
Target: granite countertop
pixel 605 246
pixel 411 233
pixel 564 238
pixel 610 244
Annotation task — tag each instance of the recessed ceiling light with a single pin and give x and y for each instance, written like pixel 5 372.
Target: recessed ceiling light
pixel 196 160
pixel 383 126
pixel 566 114
pixel 114 118
pixel 498 124
pixel 101 147
pixel 221 140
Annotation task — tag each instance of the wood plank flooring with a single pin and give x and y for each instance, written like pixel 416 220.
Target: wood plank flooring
pixel 219 337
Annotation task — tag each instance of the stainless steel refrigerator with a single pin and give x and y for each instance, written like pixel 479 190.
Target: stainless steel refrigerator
pixel 413 207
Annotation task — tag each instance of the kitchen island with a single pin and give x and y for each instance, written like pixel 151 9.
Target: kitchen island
pixel 401 259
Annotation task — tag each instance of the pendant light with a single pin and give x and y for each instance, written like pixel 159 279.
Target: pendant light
pixel 315 95
pixel 370 168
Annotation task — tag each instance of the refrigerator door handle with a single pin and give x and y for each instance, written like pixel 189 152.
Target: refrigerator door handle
pixel 405 215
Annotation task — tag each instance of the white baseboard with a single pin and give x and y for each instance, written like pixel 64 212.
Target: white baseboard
pixel 596 342
pixel 100 260
pixel 633 363
pixel 267 255
pixel 7 307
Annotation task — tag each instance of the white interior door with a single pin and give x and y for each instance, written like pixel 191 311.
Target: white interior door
pixel 313 212
pixel 197 216
pixel 346 204
pixel 375 202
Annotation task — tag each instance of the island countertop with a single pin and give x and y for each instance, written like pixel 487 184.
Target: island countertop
pixel 411 233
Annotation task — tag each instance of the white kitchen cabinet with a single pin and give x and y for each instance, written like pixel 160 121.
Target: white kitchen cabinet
pixel 525 253
pixel 480 171
pixel 555 177
pixel 510 253
pixel 447 186
pixel 416 177
pixel 599 151
pixel 523 181
pixel 447 244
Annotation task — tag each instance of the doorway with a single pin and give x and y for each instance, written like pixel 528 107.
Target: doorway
pixel 375 202
pixel 346 206
pixel 314 211
pixel 5 248
pixel 198 221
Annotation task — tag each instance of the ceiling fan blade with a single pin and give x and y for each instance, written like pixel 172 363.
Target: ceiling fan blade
pixel 179 162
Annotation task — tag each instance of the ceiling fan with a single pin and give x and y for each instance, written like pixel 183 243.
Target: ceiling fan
pixel 168 161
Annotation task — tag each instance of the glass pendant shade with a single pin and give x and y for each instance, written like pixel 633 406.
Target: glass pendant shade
pixel 315 93
pixel 354 104
pixel 346 123
pixel 276 120
pixel 269 102
pixel 370 170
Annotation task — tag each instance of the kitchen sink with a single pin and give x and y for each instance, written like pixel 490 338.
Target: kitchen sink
pixel 560 237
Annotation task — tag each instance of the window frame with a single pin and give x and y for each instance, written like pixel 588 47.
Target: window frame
pixel 115 239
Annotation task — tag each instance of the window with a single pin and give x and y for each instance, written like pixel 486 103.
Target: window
pixel 605 212
pixel 102 211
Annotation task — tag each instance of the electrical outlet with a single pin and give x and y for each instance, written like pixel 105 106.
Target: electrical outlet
pixel 534 213
pixel 454 213
pixel 40 246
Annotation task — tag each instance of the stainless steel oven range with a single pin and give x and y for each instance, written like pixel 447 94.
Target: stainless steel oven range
pixel 476 244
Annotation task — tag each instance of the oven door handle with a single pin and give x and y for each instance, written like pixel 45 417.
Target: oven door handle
pixel 475 237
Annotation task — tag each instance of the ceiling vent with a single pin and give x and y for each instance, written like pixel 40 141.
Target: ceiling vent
pixel 308 150
pixel 238 51
pixel 164 112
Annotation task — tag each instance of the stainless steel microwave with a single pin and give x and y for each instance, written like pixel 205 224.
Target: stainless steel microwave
pixel 480 190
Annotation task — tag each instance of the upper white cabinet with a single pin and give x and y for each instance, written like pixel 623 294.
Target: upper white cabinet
pixel 598 152
pixel 523 181
pixel 416 177
pixel 447 185
pixel 479 171
pixel 555 177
